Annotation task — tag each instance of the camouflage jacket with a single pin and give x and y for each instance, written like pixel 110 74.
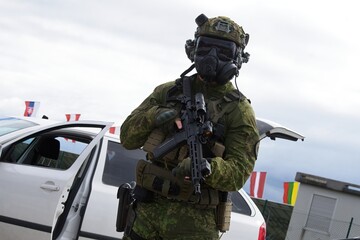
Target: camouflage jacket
pixel 240 138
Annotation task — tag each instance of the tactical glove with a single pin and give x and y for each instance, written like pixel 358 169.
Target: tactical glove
pixel 183 168
pixel 164 115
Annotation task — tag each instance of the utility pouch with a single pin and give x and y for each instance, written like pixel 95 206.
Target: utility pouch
pixel 209 198
pixel 156 179
pixel 126 200
pixel 156 137
pixel 223 212
pixel 162 181
pixel 218 149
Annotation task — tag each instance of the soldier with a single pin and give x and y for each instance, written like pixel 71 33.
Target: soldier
pixel 166 205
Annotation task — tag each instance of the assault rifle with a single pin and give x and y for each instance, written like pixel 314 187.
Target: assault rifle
pixel 196 130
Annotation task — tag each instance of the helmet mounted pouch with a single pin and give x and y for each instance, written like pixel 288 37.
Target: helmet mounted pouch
pixel 201 19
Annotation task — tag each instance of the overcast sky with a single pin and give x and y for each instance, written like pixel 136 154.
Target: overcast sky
pixel 102 58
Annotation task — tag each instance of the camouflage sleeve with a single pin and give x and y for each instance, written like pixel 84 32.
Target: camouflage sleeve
pixel 139 124
pixel 241 137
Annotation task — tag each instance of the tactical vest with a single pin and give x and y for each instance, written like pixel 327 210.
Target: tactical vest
pixel 157 176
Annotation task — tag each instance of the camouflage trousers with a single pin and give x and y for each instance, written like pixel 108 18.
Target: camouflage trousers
pixel 167 219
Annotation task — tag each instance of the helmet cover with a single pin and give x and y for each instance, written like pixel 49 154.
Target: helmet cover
pixel 224 28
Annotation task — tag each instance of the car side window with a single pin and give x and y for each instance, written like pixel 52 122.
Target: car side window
pixel 69 150
pixel 120 164
pixel 239 204
pixel 19 149
pixel 51 151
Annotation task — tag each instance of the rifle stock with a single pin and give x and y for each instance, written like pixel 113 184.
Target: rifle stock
pixel 170 144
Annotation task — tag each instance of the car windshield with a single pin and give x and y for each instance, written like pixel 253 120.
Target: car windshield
pixel 10 124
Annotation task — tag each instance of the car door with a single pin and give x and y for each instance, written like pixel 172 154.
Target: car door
pixel 34 195
pixel 274 130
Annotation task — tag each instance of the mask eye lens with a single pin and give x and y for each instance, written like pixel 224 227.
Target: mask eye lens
pixel 226 54
pixel 202 51
pixel 203 47
pixel 226 50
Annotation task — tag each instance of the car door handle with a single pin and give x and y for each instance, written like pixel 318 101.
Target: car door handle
pixel 50 186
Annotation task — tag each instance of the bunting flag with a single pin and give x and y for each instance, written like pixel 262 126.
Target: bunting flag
pixel 68 140
pixel 257 183
pixel 290 192
pixel 31 108
pixel 114 130
pixel 72 117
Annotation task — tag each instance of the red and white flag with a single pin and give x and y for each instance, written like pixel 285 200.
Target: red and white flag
pixel 114 130
pixel 72 117
pixel 31 108
pixel 257 183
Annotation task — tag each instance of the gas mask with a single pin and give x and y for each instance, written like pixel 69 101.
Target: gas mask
pixel 216 59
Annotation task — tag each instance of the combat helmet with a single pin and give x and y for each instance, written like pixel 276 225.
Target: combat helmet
pixel 221 27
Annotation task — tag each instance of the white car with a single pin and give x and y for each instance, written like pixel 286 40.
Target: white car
pixel 60 181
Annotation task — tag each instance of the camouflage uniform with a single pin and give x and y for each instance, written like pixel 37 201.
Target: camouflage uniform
pixel 166 218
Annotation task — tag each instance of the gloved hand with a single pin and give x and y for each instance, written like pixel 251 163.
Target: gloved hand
pixel 183 168
pixel 164 115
